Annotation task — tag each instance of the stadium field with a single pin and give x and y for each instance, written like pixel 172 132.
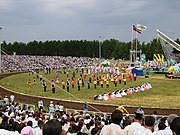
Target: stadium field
pixel 164 93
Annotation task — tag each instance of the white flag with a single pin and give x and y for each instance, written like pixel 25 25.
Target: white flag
pixel 141 27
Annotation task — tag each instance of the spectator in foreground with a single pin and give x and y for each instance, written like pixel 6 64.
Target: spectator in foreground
pixel 38 129
pixel 167 130
pixel 28 130
pixel 52 127
pixel 175 126
pixel 136 124
pixel 149 123
pixel 114 128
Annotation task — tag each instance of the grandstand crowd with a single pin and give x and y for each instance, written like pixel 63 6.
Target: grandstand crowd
pixel 13 63
pixel 21 119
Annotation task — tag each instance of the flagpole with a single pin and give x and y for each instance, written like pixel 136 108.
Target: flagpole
pixel 132 37
pixel 0 54
pixel 136 48
pixel 131 50
pixel 0 57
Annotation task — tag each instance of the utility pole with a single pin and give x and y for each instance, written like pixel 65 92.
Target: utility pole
pixel 99 47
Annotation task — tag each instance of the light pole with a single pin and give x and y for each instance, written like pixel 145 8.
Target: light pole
pixel 99 47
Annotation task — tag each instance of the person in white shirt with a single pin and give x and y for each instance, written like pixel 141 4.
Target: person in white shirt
pixel 40 105
pixel 38 128
pixel 12 98
pixel 149 123
pixel 51 109
pixel 61 108
pixel 167 130
pixel 114 128
pixel 7 132
pixel 57 107
pixel 136 124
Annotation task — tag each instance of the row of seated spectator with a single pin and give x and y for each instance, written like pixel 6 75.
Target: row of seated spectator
pixel 31 122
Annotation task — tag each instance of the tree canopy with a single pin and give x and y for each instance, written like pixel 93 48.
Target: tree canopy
pixel 111 48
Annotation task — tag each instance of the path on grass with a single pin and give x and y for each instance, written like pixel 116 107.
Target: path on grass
pixel 29 99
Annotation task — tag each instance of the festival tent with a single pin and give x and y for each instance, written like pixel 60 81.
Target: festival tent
pixel 138 72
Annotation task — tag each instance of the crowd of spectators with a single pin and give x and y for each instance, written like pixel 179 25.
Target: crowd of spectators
pixel 16 119
pixel 12 63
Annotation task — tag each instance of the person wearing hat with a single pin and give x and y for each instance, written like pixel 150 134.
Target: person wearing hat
pixel 114 128
pixel 149 122
pixel 136 124
pixel 51 109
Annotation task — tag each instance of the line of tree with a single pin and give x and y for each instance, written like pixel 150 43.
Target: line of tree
pixel 82 48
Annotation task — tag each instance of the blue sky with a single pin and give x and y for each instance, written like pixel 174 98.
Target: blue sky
pixel 28 20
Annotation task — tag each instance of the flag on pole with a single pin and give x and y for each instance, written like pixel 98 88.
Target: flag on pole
pixel 141 27
pixel 136 29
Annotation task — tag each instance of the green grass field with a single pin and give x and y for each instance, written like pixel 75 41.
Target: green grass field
pixel 165 92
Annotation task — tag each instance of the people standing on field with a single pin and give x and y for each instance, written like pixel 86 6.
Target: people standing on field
pixel 68 85
pixel 107 84
pixel 124 80
pixel 63 84
pixel 95 83
pixel 72 83
pixel 53 86
pixel 101 82
pixel 135 76
pixel 29 83
pixel 44 87
pixel 88 85
pixel 79 87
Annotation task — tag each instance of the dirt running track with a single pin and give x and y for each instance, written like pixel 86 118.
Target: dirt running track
pixel 29 99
